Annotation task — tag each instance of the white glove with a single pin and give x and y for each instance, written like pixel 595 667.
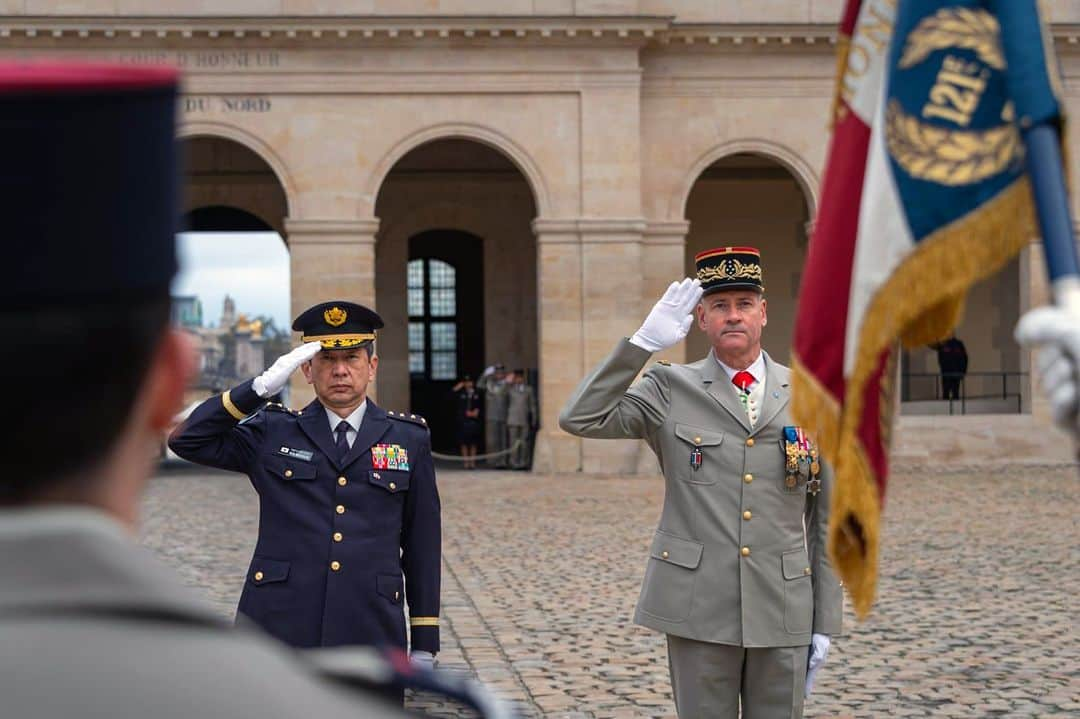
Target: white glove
pixel 273 380
pixel 819 649
pixel 422 659
pixel 1057 332
pixel 670 318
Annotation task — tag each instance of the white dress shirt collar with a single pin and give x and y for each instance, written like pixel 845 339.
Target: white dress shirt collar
pixel 756 368
pixel 353 419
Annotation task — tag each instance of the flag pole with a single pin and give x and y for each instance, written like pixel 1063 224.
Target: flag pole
pixel 1045 170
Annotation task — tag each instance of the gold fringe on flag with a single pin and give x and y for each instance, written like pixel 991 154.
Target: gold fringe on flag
pixel 921 303
pixel 843 51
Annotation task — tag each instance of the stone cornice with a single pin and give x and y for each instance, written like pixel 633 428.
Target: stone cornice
pixel 751 34
pixel 666 232
pixel 299 231
pixel 335 29
pixel 588 229
pixel 643 29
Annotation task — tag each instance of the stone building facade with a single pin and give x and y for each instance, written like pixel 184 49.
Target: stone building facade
pixel 566 157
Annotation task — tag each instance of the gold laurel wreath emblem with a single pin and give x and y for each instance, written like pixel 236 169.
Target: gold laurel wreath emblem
pixel 963 28
pixel 948 157
pixel 335 316
pixel 747 271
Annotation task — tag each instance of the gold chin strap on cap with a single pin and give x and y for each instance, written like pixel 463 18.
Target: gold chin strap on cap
pixel 337 342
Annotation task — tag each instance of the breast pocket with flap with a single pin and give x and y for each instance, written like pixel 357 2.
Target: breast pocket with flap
pixel 700 450
pixel 289 469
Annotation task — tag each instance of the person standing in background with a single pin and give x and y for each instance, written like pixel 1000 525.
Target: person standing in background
pixel 494 386
pixel 520 419
pixel 469 428
pixel 953 361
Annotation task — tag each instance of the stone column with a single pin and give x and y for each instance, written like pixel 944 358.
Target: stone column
pixel 1034 291
pixel 329 260
pixel 590 285
pixel 613 291
pixel 558 248
pixel 663 261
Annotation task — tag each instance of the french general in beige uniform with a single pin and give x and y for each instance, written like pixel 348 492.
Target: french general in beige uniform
pixel 737 576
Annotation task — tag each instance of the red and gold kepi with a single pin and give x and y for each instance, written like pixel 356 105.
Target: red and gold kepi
pixel 729 268
pixel 338 325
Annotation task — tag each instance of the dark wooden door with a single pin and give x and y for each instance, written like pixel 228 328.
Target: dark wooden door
pixel 446 325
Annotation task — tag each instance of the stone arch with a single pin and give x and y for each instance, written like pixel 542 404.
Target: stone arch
pixel 465 131
pixel 743 194
pixel 438 215
pixel 470 203
pixel 225 131
pixel 794 163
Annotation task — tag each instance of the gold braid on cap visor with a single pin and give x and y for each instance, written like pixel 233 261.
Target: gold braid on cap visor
pixel 339 342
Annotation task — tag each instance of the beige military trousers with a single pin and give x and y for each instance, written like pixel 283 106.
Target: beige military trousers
pixel 519 442
pixel 708 680
pixel 495 441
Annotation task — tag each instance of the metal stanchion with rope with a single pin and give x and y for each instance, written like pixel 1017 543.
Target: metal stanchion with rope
pixel 488 455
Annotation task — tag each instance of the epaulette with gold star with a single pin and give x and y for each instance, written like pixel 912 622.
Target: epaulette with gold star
pixel 406 417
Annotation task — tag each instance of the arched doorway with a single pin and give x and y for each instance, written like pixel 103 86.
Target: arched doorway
pixel 749 199
pixel 232 293
pixel 453 211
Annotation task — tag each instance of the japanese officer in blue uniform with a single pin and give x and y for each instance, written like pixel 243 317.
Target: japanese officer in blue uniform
pixel 349 514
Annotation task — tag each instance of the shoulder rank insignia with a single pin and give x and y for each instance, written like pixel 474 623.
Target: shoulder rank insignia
pixel 279 407
pixel 664 363
pixel 406 417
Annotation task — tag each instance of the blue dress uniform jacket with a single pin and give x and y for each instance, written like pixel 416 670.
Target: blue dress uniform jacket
pixel 335 536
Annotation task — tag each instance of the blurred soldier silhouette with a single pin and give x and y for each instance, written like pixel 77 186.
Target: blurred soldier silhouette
pixel 90 624
pixel 952 359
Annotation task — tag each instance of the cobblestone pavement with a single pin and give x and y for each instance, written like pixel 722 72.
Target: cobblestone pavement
pixel 976 614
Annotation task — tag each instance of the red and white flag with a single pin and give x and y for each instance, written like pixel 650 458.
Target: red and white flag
pixel 822 322
pixel 923 197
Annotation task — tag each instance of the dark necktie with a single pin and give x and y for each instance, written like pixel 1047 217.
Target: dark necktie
pixel 342 439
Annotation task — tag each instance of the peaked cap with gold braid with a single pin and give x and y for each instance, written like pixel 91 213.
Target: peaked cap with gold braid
pixel 338 325
pixel 729 268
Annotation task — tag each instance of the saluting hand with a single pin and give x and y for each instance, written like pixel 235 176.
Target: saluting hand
pixel 1056 332
pixel 273 380
pixel 670 318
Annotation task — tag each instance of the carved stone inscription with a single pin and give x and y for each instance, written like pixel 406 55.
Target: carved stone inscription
pixel 205 59
pixel 227 104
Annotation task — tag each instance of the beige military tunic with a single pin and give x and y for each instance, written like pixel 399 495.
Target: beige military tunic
pixel 739 556
pixel 92 626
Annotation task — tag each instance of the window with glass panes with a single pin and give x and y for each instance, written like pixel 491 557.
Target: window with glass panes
pixel 432 300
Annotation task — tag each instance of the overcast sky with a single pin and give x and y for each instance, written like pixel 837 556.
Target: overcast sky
pixel 251 267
